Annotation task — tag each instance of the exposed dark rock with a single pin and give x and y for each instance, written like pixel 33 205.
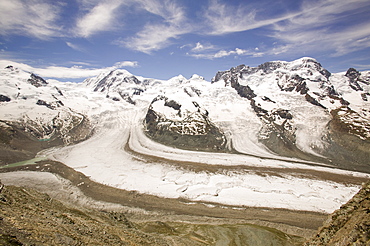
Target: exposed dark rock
pixel 353 76
pixel 302 88
pixel 138 91
pixel 311 63
pixel 132 79
pixel 283 113
pixel 269 67
pixel 313 101
pixel 127 98
pixel 59 91
pixel 258 109
pixel 172 104
pixel 243 90
pixel 341 99
pixel 195 131
pixel 36 81
pixel 4 98
pixel 289 83
pixel 43 103
pixel 364 96
pixel 219 76
pixel 101 85
pixel 267 99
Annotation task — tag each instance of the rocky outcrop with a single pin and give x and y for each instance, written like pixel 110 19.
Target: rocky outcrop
pixel 188 127
pixel 36 81
pixel 349 225
pixel 354 76
pixel 4 98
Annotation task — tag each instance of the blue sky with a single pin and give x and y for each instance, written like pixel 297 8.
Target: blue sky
pixel 73 39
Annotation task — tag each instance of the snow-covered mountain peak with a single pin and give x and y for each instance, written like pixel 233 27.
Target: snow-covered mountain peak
pixel 22 76
pixel 30 103
pixel 197 77
pixel 178 79
pixel 113 78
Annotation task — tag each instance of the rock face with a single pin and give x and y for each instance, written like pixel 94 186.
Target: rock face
pixel 349 225
pixel 185 125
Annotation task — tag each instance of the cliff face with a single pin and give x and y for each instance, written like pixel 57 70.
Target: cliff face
pixel 349 225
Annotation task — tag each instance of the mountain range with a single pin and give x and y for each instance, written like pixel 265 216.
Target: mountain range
pixel 293 109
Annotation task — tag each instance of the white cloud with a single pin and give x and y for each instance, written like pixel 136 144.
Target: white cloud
pixel 34 18
pixel 66 72
pixel 156 36
pixel 223 19
pixel 153 37
pixel 99 18
pixel 199 47
pixel 125 64
pixel 74 46
pixel 225 53
pixel 316 28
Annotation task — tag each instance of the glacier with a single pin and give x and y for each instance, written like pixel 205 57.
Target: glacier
pixel 280 125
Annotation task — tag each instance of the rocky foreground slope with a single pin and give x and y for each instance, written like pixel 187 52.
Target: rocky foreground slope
pixel 349 225
pixel 28 217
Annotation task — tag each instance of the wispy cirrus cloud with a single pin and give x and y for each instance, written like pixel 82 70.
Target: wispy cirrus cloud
pixel 35 18
pixel 199 47
pixel 75 46
pixel 323 26
pixel 317 26
pixel 99 18
pixel 222 18
pixel 60 72
pixel 225 53
pixel 156 36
